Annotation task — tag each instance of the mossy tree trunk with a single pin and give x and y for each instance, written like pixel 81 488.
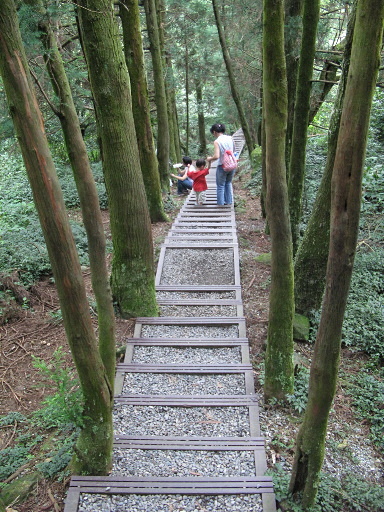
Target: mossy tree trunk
pixel 292 42
pixel 134 57
pixel 133 282
pixel 174 134
pixel 86 187
pixel 279 355
pixel 345 211
pixel 312 254
pixel 200 118
pixel 160 92
pixel 301 112
pixel 94 446
pixel 174 131
pixel 232 79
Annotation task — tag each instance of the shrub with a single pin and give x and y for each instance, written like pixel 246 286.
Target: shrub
pixel 63 408
pixel 363 326
pixel 335 494
pixel 367 393
pixel 11 459
pixel 300 396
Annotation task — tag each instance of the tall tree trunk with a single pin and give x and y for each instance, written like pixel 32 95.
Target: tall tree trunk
pixel 174 134
pixel 301 112
pixel 174 131
pixel 312 254
pixel 200 118
pixel 133 50
pixel 94 446
pixel 160 92
pixel 345 211
pixel 292 42
pixel 327 79
pixel 86 188
pixel 186 97
pixel 133 282
pixel 279 355
pixel 232 80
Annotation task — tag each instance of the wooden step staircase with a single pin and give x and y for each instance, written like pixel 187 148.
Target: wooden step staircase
pixel 208 230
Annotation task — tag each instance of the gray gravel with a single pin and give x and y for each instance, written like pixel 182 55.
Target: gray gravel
pixel 188 463
pixel 179 384
pixel 181 421
pixel 198 267
pixel 171 503
pixel 187 355
pixel 196 311
pixel 176 295
pixel 200 241
pixel 208 236
pixel 189 331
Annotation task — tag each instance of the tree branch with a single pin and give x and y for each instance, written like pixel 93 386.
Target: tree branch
pixel 52 105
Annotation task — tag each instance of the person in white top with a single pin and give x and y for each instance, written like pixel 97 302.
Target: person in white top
pixel 184 184
pixel 224 191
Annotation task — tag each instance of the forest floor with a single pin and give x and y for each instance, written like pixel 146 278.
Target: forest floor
pixel 35 330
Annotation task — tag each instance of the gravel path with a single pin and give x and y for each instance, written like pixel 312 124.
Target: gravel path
pixel 198 267
pixel 183 463
pixel 187 355
pixel 189 331
pixel 171 503
pixel 177 295
pixel 196 311
pixel 179 384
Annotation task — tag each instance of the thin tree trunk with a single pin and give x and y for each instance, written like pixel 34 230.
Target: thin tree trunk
pixel 292 42
pixel 133 50
pixel 312 254
pixel 94 446
pixel 200 118
pixel 160 92
pixel 87 191
pixel 345 212
pixel 301 112
pixel 279 355
pixel 132 279
pixel 232 80
pixel 175 155
pixel 186 97
pixel 174 134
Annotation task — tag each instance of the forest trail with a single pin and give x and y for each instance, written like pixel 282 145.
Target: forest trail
pixel 187 434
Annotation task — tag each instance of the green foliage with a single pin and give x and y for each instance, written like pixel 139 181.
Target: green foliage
pixel 363 326
pixel 63 408
pixel 335 494
pixel 57 461
pixel 298 400
pixel 11 459
pixel 68 185
pixel 23 248
pixel 367 391
pixel 97 170
pixel 11 418
pixel 22 242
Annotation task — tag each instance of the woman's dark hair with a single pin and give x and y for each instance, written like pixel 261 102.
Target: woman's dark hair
pixel 200 162
pixel 218 128
pixel 187 160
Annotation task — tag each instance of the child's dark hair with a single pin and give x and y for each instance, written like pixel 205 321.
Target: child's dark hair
pixel 200 162
pixel 218 128
pixel 187 160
